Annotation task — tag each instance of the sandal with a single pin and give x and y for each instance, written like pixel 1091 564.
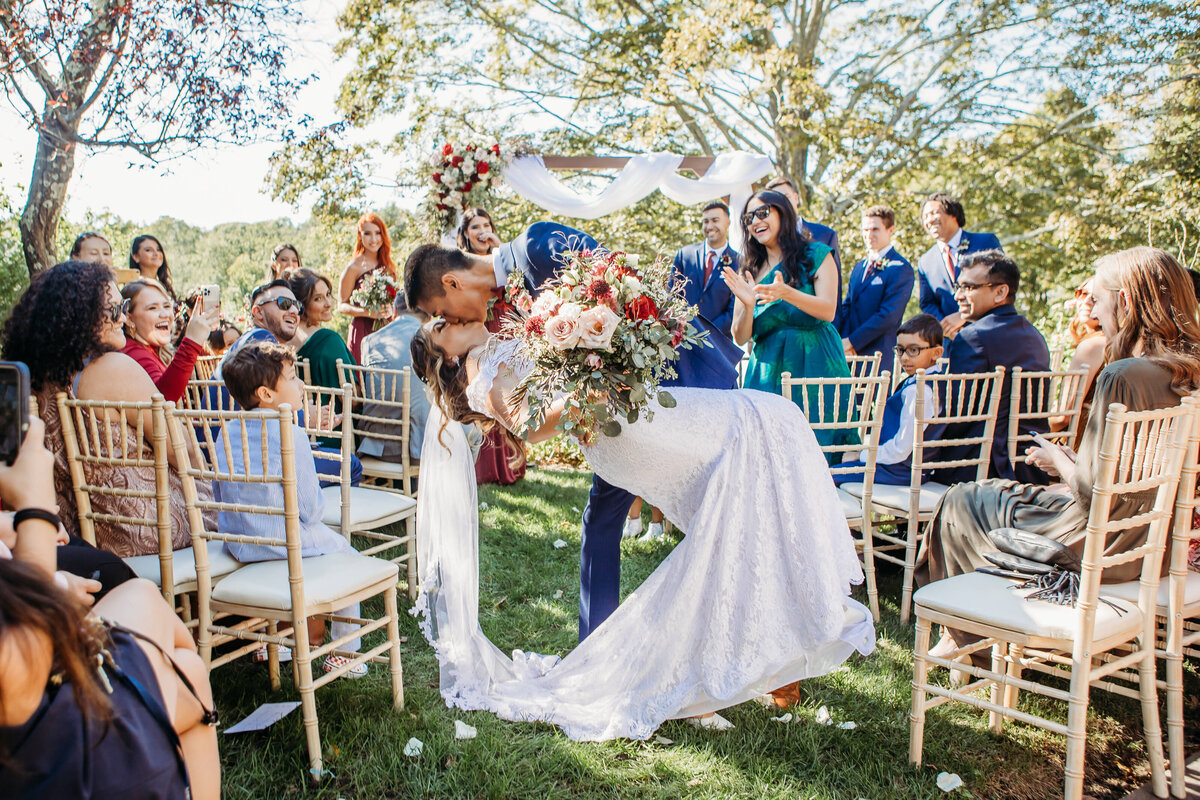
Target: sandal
pixel 335 661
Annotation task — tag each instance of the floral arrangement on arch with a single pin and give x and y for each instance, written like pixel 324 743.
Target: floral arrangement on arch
pixel 603 336
pixel 376 292
pixel 461 173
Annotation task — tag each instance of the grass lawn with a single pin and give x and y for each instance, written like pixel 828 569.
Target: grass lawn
pixel 521 607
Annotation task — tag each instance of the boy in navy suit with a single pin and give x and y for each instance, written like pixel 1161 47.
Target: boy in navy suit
pixel 700 265
pixel 943 217
pixel 918 346
pixel 879 288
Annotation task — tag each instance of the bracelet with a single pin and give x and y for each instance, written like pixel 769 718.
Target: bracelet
pixel 35 513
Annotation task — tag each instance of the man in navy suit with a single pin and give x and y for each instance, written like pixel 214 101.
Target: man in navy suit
pixel 700 266
pixel 993 334
pixel 459 287
pixel 820 233
pixel 879 288
pixel 938 269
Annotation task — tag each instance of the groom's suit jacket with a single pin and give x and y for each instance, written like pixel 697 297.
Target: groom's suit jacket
pixel 539 252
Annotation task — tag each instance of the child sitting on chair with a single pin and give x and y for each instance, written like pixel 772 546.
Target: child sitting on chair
pixel 262 377
pixel 918 346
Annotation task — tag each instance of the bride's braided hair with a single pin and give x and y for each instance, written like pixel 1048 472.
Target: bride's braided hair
pixel 447 381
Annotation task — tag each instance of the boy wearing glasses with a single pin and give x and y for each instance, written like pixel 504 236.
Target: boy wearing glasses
pixel 918 346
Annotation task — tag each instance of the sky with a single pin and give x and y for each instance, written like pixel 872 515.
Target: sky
pixel 208 187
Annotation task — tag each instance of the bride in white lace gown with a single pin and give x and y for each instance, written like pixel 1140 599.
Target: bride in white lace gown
pixel 754 597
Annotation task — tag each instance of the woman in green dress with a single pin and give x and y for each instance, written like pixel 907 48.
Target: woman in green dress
pixel 786 301
pixel 321 347
pixel 1146 307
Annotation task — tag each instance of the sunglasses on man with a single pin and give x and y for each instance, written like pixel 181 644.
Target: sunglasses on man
pixel 283 303
pixel 762 212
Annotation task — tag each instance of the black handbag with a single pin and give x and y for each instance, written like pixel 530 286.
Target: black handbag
pixel 1040 563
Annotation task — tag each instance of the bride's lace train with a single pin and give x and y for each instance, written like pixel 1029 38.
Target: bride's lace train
pixel 755 596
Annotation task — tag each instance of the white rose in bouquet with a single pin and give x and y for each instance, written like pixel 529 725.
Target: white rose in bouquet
pixel 562 330
pixel 596 327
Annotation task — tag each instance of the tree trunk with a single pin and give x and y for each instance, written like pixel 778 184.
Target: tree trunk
pixel 52 170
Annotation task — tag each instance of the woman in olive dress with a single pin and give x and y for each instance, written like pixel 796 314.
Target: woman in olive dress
pixel 1146 307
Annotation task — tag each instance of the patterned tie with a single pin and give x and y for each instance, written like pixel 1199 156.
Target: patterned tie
pixel 877 264
pixel 708 267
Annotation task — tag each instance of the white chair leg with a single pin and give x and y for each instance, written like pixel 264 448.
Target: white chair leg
pixel 869 567
pixel 916 730
pixel 394 665
pixel 1148 691
pixel 1077 730
pixel 302 660
pixel 910 567
pixel 995 719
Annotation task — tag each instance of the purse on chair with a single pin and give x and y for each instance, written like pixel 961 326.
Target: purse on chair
pixel 1040 563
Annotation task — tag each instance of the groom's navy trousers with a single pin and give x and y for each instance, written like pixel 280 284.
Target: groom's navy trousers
pixel 538 252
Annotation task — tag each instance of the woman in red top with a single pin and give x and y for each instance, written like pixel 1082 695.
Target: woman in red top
pixel 148 336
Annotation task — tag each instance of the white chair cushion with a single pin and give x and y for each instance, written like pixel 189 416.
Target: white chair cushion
pixel 1130 591
pixel 895 498
pixel 326 579
pixel 851 505
pixel 183 565
pixel 369 508
pixel 993 601
pixel 383 469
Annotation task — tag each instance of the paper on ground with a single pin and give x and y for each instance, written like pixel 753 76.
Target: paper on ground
pixel 783 718
pixel 948 781
pixel 414 747
pixel 559 544
pixel 463 731
pixel 264 716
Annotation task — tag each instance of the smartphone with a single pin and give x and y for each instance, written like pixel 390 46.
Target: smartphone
pixel 14 409
pixel 212 296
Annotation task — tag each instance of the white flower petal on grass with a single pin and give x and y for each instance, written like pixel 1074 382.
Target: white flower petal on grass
pixel 414 747
pixel 663 740
pixel 847 726
pixel 483 506
pixel 823 717
pixel 463 731
pixel 948 781
pixel 783 718
pixel 559 544
pixel 558 595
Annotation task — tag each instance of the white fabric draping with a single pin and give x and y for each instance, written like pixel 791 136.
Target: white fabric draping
pixel 731 174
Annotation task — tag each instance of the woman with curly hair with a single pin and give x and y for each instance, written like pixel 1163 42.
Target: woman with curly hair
pixel 148 336
pixel 372 251
pixel 147 256
pixel 67 327
pixel 321 347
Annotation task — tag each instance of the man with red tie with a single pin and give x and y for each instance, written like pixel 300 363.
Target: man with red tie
pixel 700 266
pixel 943 217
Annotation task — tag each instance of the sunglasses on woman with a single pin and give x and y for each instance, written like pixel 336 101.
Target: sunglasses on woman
pixel 283 303
pixel 762 212
pixel 119 310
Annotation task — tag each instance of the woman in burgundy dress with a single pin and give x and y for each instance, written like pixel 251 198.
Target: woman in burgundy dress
pixel 372 251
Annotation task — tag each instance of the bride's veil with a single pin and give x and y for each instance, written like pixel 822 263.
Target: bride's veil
pixel 448 565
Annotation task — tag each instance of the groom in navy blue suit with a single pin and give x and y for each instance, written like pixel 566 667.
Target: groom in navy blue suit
pixel 461 287
pixel 700 266
pixel 942 215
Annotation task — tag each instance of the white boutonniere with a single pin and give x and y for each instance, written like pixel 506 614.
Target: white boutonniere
pixel 963 244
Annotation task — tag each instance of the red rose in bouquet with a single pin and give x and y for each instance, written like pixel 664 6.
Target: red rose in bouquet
pixel 447 149
pixel 641 308
pixel 482 167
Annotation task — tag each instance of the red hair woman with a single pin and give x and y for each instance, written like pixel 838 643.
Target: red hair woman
pixel 372 251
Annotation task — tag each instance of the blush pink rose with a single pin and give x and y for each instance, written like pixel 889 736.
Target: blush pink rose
pixel 596 327
pixel 594 361
pixel 562 329
pixel 545 305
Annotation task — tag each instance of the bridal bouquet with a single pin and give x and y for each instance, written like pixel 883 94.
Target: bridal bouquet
pixel 376 292
pixel 602 335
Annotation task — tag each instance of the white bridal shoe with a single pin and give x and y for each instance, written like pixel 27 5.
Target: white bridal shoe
pixel 654 532
pixel 713 722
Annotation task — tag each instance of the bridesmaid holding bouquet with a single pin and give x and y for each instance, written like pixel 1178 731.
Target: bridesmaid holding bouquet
pixel 372 252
